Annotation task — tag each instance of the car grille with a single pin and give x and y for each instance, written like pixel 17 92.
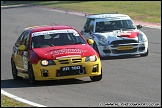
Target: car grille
pixel 127 41
pixel 115 51
pixel 68 61
pixel 70 73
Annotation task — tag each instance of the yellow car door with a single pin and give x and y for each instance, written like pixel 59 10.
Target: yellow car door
pixel 21 54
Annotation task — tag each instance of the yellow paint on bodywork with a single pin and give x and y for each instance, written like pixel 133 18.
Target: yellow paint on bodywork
pixel 53 68
pixel 31 27
pixel 34 27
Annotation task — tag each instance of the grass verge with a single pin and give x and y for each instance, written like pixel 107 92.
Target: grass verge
pixel 8 102
pixel 145 11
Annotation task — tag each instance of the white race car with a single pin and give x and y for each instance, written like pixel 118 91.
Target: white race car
pixel 115 35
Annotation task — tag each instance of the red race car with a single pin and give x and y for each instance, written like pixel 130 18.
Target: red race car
pixel 54 52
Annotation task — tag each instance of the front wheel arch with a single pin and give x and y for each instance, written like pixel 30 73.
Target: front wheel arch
pixel 31 74
pixel 146 54
pixel 96 48
pixel 96 78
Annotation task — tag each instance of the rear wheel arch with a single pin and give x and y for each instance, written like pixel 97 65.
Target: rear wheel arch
pixel 14 71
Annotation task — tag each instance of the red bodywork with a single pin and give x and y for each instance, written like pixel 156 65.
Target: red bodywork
pixel 129 34
pixel 52 53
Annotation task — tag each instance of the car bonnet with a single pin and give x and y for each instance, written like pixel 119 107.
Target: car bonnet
pixel 118 35
pixel 57 52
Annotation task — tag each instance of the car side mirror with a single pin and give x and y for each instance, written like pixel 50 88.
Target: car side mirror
pixel 21 47
pixel 139 26
pixel 90 41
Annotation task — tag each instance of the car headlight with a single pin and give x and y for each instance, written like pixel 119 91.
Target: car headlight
pixel 90 58
pixel 47 62
pixel 103 39
pixel 141 37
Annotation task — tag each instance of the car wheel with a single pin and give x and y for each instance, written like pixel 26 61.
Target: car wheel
pixel 96 78
pixel 146 54
pixel 14 71
pixel 31 74
pixel 96 48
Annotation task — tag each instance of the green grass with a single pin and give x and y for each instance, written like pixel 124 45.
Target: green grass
pixel 8 102
pixel 146 11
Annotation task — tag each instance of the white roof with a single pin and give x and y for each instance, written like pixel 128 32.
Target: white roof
pixel 105 16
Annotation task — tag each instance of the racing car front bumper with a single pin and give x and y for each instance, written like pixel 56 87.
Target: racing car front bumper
pixel 123 49
pixel 67 68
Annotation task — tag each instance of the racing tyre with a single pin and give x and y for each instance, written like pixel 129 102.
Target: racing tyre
pixel 31 74
pixel 96 78
pixel 96 48
pixel 146 54
pixel 14 71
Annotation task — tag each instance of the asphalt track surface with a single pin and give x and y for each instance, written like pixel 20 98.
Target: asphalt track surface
pixel 126 81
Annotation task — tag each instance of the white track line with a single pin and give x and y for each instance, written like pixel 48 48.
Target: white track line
pixel 21 99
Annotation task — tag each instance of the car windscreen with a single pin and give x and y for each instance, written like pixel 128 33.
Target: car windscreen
pixel 56 38
pixel 106 26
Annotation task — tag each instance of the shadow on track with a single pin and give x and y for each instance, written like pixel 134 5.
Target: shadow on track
pixel 120 57
pixel 10 83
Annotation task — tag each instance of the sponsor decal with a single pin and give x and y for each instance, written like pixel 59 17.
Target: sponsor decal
pixel 67 51
pixel 54 32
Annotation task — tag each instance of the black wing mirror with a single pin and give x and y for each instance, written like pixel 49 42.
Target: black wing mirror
pixel 139 26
